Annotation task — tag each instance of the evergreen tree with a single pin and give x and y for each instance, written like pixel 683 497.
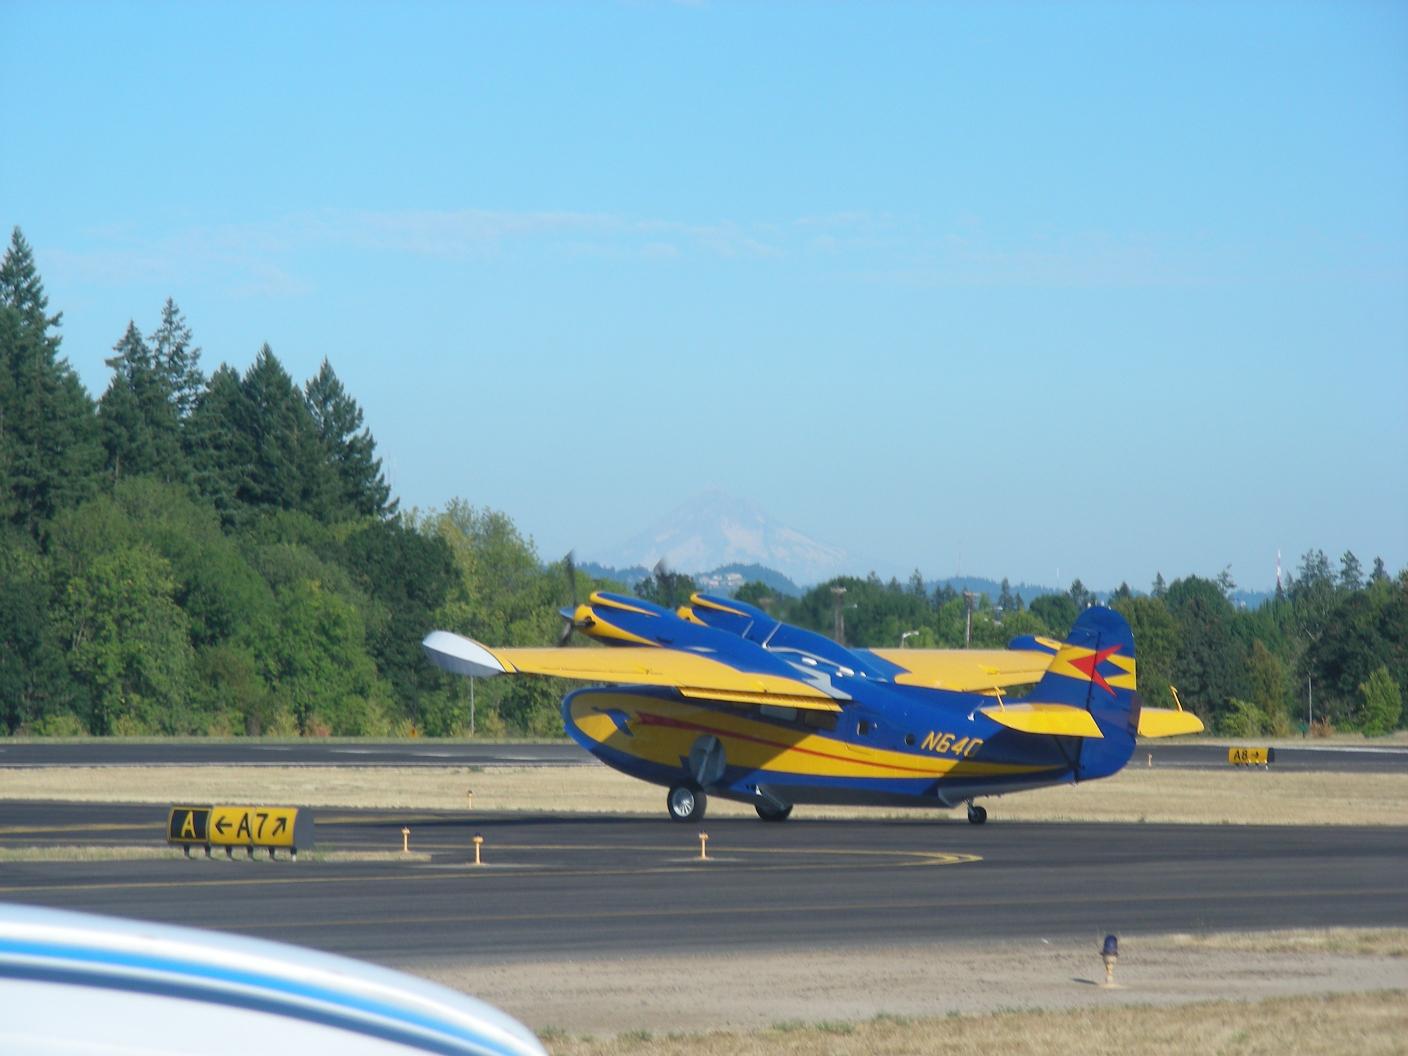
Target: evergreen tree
pixel 1225 582
pixel 219 451
pixel 137 416
pixel 350 447
pixel 177 360
pixel 48 443
pixel 1160 589
pixel 288 467
pixel 1004 596
pixel 1082 598
pixel 1351 572
pixel 1380 573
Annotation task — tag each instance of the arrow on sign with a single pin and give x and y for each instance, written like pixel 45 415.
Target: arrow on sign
pixel 280 824
pixel 222 825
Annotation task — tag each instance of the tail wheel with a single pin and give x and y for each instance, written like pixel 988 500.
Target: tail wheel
pixel 768 812
pixel 976 814
pixel 686 803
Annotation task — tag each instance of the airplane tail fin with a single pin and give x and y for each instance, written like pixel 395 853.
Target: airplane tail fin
pixel 1088 692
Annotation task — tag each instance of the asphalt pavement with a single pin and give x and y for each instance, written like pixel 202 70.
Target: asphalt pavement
pixel 553 888
pixel 432 752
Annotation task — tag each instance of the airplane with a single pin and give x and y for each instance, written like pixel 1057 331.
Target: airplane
pixel 718 698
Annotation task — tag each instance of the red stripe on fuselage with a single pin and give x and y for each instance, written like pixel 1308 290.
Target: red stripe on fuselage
pixel 650 719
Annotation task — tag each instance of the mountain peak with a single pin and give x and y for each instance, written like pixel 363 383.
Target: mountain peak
pixel 713 529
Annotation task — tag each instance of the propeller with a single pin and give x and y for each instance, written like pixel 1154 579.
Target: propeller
pixel 569 614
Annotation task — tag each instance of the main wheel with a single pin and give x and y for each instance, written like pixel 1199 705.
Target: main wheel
pixel 768 812
pixel 976 814
pixel 686 803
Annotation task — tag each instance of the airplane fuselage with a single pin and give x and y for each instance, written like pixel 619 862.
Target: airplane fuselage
pixel 887 747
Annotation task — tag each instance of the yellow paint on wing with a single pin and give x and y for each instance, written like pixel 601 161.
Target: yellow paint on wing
pixel 651 666
pixel 966 670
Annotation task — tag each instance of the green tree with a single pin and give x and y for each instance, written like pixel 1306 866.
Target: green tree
pixel 1056 611
pixel 288 467
pixel 1383 702
pixel 128 643
pixel 1268 685
pixel 320 668
pixel 663 587
pixel 177 359
pixel 1210 669
pixel 220 451
pixel 34 679
pixel 1380 573
pixel 1156 645
pixel 1080 596
pixel 1351 572
pixel 409 576
pixel 137 415
pixel 49 454
pixel 1241 718
pixel 350 448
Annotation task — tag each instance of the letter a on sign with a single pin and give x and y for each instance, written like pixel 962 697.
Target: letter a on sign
pixel 188 827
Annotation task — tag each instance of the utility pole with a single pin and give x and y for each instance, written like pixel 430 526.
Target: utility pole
pixel 1309 706
pixel 838 594
pixel 968 619
pixel 471 707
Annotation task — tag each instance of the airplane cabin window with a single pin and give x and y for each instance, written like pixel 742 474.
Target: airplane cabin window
pixel 773 712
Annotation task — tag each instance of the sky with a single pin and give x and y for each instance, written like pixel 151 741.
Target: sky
pixel 1036 290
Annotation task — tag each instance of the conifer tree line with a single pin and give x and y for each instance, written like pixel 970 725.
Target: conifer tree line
pixel 220 553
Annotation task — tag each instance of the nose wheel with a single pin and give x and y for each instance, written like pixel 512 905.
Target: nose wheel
pixel 686 803
pixel 976 814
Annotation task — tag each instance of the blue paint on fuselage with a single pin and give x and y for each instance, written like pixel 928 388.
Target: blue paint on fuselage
pixel 877 713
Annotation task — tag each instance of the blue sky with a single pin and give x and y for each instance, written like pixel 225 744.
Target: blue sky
pixel 998 288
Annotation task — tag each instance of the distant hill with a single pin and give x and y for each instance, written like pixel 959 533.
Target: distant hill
pixel 722 580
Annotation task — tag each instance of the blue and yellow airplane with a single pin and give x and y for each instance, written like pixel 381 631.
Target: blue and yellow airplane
pixel 719 698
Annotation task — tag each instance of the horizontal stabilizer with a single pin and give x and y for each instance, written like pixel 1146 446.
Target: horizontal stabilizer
pixel 1061 720
pixel 1167 722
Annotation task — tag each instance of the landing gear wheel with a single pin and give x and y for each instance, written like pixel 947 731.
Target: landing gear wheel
pixel 686 803
pixel 768 812
pixel 976 814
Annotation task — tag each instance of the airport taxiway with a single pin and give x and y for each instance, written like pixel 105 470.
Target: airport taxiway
pixel 433 752
pixel 554 887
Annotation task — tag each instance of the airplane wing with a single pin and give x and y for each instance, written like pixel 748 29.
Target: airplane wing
pixel 693 674
pixel 966 670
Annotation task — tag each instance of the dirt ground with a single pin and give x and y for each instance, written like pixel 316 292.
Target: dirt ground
pixel 761 990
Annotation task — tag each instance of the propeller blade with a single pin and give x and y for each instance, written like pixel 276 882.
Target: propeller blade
pixel 567 613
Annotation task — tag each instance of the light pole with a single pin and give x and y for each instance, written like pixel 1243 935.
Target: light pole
pixel 906 636
pixel 968 619
pixel 837 594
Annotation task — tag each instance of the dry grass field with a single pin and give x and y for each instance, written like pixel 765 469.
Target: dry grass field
pixel 1359 1024
pixel 1138 793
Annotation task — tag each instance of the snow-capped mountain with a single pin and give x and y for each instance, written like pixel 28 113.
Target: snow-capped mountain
pixel 715 529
